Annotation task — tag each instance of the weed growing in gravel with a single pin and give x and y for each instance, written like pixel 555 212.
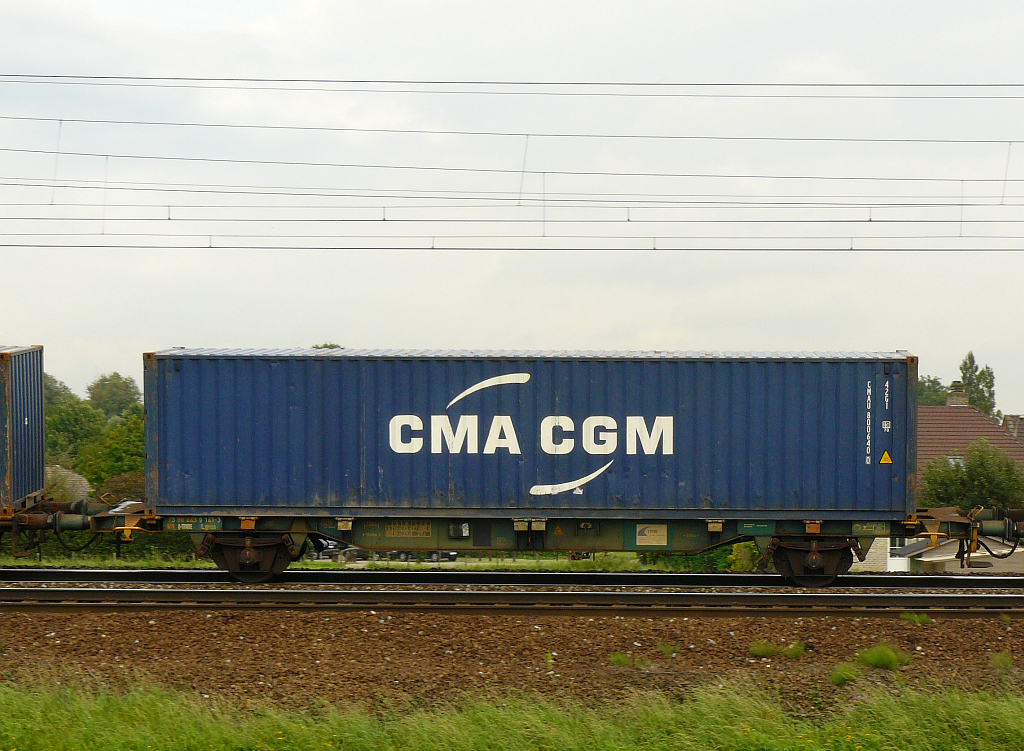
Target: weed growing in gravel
pixel 670 650
pixel 1006 619
pixel 549 660
pixel 1001 662
pixel 845 673
pixel 763 649
pixel 622 660
pixel 795 650
pixel 766 649
pixel 884 656
pixel 916 618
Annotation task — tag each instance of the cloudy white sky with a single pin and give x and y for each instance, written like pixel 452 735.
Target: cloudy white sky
pixel 556 175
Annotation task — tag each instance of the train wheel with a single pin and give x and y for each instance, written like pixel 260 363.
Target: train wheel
pixel 251 560
pixel 811 565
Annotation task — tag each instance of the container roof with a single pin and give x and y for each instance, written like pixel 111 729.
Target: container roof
pixel 12 348
pixel 523 354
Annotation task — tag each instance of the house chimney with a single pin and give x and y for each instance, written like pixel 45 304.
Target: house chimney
pixel 1012 424
pixel 956 396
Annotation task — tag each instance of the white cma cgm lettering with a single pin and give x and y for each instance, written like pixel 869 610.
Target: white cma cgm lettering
pixel 463 438
pixel 599 435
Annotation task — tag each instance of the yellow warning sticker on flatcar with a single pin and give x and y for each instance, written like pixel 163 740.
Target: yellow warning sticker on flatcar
pixel 886 459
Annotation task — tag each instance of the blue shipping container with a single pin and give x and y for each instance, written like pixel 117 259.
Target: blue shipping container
pixel 22 429
pixel 601 435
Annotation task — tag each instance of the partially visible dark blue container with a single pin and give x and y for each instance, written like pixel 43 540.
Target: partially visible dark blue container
pixel 22 428
pixel 349 433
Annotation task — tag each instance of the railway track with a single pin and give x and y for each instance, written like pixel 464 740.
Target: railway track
pixel 462 577
pixel 514 600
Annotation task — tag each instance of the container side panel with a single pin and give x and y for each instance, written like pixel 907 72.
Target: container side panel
pixel 529 436
pixel 23 445
pixel 6 491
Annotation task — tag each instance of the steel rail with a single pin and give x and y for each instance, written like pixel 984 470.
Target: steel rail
pixel 512 600
pixel 456 577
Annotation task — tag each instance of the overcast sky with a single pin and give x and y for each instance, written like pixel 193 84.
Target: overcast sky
pixel 148 211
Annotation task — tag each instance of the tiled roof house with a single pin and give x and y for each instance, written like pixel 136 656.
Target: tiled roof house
pixel 947 431
pixel 943 434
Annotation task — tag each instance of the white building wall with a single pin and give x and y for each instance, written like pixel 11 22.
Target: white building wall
pixel 877 559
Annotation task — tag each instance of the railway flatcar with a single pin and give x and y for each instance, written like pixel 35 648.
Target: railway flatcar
pixel 259 454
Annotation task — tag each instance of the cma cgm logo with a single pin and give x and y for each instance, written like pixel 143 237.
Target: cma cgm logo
pixel 597 435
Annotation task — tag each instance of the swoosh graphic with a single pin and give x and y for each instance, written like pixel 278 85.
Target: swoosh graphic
pixel 496 381
pixel 571 485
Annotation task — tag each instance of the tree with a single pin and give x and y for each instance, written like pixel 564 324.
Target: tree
pixel 113 393
pixel 54 392
pixel 120 449
pixel 979 385
pixel 70 423
pixel 987 476
pixel 328 345
pixel 930 392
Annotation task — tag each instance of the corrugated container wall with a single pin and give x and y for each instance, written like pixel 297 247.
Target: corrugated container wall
pixel 604 435
pixel 22 430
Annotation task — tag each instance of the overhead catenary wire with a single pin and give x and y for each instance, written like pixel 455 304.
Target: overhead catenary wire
pixel 749 242
pixel 192 205
pixel 508 133
pixel 505 196
pixel 510 171
pixel 678 89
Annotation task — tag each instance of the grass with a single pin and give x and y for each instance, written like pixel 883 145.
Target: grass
pixel 844 673
pixel 623 660
pixel 524 561
pixel 669 650
pixel 87 560
pixel 884 657
pixel 730 718
pixel 767 649
pixel 1001 662
pixel 916 618
pixel 104 558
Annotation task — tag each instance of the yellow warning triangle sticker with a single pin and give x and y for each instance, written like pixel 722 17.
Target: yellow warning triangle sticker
pixel 886 459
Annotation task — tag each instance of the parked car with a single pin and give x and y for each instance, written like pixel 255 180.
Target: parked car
pixel 351 553
pixel 329 550
pixel 433 555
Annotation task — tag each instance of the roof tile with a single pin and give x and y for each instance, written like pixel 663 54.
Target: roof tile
pixel 948 431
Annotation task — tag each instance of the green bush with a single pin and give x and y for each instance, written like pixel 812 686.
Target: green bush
pixel 988 476
pixel 745 558
pixel 709 561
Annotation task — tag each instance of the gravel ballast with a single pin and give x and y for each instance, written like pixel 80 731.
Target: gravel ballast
pixel 302 659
